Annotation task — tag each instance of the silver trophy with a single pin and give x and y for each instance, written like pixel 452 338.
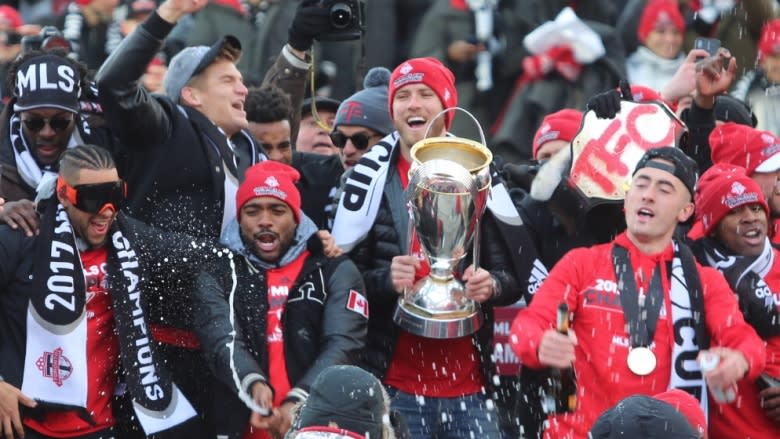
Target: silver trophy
pixel 449 183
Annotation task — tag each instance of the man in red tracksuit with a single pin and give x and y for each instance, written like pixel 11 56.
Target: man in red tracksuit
pixel 735 218
pixel 642 294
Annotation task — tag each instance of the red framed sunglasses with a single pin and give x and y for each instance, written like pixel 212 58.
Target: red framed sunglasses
pixel 94 198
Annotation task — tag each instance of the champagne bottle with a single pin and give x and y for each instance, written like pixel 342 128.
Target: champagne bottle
pixel 560 395
pixel 765 381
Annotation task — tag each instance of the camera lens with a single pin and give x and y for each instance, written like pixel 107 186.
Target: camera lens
pixel 340 15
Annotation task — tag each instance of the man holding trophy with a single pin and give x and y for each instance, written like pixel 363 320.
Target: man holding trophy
pixel 432 347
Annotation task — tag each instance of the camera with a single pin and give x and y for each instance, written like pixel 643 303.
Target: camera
pixel 346 20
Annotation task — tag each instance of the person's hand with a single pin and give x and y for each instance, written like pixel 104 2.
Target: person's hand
pixel 731 368
pixel 172 10
pixel 285 415
pixel 263 396
pixel 462 51
pixel 329 246
pixel 480 286
pixel 278 423
pixel 2 203
pixel 683 83
pixel 402 270
pixel 770 401
pixel 606 105
pixel 714 76
pixel 10 419
pixel 22 214
pixel 556 349
pixel 311 19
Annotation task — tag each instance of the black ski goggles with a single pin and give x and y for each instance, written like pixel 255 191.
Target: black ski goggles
pixel 94 198
pixel 360 140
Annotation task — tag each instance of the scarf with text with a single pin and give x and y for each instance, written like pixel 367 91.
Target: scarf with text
pixel 745 275
pixel 690 331
pixel 362 194
pixel 56 356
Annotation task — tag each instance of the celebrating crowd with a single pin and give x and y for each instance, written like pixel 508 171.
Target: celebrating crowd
pixel 206 233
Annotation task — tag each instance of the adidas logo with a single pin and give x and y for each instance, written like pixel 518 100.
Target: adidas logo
pixel 538 275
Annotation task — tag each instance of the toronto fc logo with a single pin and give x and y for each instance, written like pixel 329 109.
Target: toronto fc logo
pixel 54 365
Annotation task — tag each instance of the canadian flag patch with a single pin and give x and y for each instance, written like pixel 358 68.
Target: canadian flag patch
pixel 357 303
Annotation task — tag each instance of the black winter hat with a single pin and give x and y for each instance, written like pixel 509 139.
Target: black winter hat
pixel 641 416
pixel 682 167
pixel 348 396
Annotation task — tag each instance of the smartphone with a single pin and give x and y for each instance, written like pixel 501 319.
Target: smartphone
pixel 711 45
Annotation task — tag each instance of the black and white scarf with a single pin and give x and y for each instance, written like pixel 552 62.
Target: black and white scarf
pixel 688 323
pixel 745 275
pixel 362 194
pixel 28 168
pixel 56 358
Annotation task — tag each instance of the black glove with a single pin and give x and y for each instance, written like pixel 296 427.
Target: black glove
pixel 311 19
pixel 606 105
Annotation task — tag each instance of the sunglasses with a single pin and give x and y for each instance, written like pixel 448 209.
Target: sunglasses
pixel 58 124
pixel 94 198
pixel 360 140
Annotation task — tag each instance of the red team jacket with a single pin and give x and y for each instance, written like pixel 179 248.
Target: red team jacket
pixel 585 279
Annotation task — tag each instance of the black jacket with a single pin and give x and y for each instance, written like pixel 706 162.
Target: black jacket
pixel 320 177
pixel 158 252
pixel 170 154
pixel 319 329
pixel 373 257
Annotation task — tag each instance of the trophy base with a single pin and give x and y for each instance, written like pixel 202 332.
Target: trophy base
pixel 420 322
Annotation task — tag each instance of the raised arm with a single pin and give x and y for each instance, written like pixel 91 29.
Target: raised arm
pixel 135 116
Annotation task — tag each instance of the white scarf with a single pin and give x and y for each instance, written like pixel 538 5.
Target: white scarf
pixel 689 376
pixel 362 194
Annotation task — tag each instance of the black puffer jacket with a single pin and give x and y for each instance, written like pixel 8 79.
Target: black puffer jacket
pixel 373 257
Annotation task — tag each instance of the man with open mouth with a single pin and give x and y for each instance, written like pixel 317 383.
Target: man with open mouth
pixel 735 217
pixel 75 353
pixel 277 311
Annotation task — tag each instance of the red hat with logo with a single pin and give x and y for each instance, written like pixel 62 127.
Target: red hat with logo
pixel 11 17
pixel 722 188
pixel 428 71
pixel 770 39
pixel 270 179
pixel 659 12
pixel 740 145
pixel 688 406
pixel 561 125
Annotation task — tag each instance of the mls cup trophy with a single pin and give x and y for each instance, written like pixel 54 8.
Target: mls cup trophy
pixel 449 183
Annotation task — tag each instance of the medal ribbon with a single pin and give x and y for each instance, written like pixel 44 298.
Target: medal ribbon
pixel 642 320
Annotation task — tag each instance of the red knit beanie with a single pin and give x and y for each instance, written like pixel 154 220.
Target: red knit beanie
pixel 722 188
pixel 688 406
pixel 770 39
pixel 270 179
pixel 657 12
pixel 10 16
pixel 740 145
pixel 561 125
pixel 428 71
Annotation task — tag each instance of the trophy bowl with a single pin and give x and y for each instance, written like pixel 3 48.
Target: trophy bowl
pixel 449 182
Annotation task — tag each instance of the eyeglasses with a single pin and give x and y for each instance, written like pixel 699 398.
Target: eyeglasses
pixel 94 198
pixel 360 140
pixel 58 124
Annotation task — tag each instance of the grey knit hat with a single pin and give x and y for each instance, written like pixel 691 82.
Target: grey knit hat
pixel 193 60
pixel 368 107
